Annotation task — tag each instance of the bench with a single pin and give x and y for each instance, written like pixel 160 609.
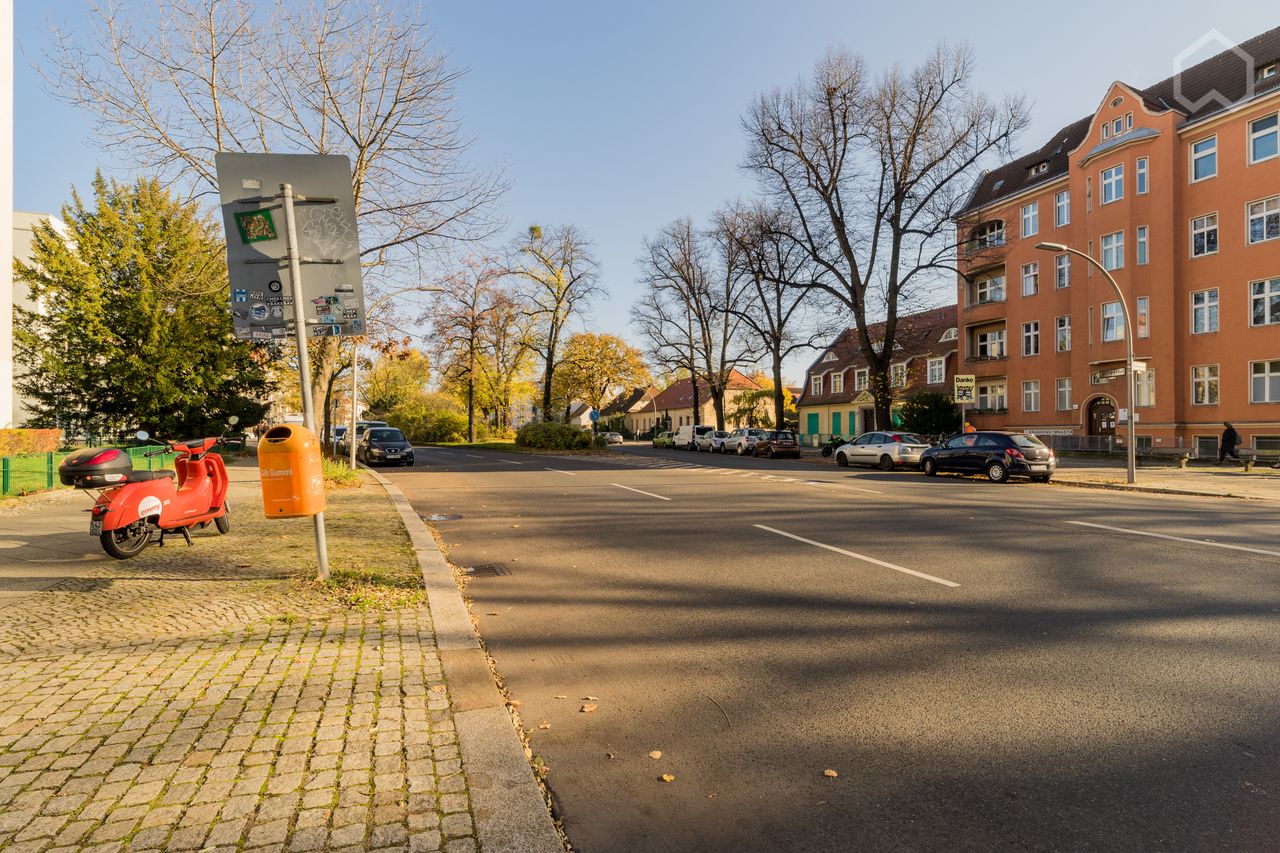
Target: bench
pixel 1180 455
pixel 1251 457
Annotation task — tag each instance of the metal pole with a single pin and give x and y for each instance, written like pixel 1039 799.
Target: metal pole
pixel 304 357
pixel 351 429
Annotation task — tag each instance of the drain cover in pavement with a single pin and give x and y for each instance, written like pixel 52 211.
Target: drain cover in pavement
pixel 488 570
pixel 440 516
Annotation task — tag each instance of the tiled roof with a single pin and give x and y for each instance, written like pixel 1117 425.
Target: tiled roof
pixel 626 401
pixel 1226 74
pixel 918 335
pixel 679 394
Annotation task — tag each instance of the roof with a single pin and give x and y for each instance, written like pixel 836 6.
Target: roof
pixel 627 401
pixel 679 394
pixel 917 335
pixel 1190 92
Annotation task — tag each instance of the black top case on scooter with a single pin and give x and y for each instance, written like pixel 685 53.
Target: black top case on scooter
pixel 95 468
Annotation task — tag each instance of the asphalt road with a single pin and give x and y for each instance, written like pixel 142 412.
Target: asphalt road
pixel 986 667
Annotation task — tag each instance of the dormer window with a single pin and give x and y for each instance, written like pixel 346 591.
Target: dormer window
pixel 1268 72
pixel 1039 168
pixel 830 356
pixel 949 335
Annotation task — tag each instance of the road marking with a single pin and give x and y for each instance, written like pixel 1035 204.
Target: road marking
pixel 640 491
pixel 1176 538
pixel 863 557
pixel 558 471
pixel 509 462
pixel 841 486
pixel 473 455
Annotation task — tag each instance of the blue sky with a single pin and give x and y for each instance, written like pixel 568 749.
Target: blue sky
pixel 620 117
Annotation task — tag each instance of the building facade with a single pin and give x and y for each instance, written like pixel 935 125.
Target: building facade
pixel 1175 190
pixel 672 407
pixel 835 399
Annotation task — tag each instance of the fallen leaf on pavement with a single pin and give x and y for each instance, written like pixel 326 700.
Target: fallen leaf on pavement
pixel 656 754
pixel 610 756
pixel 515 703
pixel 562 697
pixel 493 614
pixel 544 725
pixel 590 698
pixel 829 773
pixel 588 708
pixel 667 777
pixel 244 565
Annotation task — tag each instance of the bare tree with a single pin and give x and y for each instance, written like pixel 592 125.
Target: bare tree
pixel 787 311
pixel 459 321
pixel 173 84
pixel 561 277
pixel 505 340
pixel 875 172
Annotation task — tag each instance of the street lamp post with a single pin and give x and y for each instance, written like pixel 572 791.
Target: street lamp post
pixel 1128 343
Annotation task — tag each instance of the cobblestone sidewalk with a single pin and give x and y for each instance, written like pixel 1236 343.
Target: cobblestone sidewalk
pixel 174 702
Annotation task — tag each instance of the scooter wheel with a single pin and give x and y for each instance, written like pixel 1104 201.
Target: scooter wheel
pixel 126 542
pixel 223 522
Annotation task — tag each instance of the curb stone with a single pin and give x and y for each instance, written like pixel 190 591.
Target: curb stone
pixel 510 811
pixel 1151 490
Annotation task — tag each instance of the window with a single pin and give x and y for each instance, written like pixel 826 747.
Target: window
pixel 1128 121
pixel 1031 395
pixel 1062 271
pixel 1112 322
pixel 1264 302
pixel 831 356
pixel 1031 338
pixel 1031 278
pixel 1204 159
pixel 1113 184
pixel 1106 130
pixel 1062 208
pixel 1142 244
pixel 937 371
pixel 837 383
pixel 1204 385
pixel 898 375
pixel 1117 127
pixel 949 335
pixel 989 290
pixel 815 384
pixel 1031 219
pixel 1143 320
pixel 1204 311
pixel 1140 179
pixel 1204 235
pixel 1144 388
pixel 988 234
pixel 1113 251
pixel 1062 388
pixel 860 379
pixel 1063 343
pixel 1039 168
pixel 1264 219
pixel 1089 267
pixel 990 344
pixel 991 397
pixel 1263 139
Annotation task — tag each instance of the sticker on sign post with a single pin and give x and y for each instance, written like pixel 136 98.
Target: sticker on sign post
pixel 255 226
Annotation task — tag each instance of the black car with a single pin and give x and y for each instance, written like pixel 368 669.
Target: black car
pixel 999 455
pixel 384 445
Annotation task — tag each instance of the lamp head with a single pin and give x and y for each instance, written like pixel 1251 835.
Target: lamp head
pixel 1051 247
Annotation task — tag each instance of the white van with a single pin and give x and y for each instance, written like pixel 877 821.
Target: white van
pixel 687 436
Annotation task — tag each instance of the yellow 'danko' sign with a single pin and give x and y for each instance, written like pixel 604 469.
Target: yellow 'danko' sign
pixel 965 385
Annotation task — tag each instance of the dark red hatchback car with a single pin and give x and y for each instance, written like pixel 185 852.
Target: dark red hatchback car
pixel 778 442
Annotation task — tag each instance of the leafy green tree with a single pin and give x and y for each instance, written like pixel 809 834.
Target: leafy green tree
pixel 929 413
pixel 134 329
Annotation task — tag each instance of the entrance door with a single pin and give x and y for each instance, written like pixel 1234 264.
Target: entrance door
pixel 835 424
pixel 1102 417
pixel 811 425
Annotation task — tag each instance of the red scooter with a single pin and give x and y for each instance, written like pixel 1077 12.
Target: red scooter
pixel 132 505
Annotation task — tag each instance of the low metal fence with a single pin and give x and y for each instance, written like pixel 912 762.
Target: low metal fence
pixel 38 472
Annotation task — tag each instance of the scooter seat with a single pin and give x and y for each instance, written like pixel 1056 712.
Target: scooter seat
pixel 144 476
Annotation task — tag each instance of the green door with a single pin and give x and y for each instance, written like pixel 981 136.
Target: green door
pixel 853 425
pixel 811 425
pixel 835 423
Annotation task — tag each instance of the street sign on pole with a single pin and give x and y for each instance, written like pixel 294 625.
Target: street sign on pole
pixel 595 415
pixel 262 300
pixel 965 388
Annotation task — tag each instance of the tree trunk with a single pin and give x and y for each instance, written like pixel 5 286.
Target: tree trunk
pixel 882 392
pixel 697 409
pixel 471 397
pixel 779 393
pixel 717 403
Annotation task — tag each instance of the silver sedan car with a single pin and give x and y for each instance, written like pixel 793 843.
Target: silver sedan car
pixel 886 450
pixel 741 441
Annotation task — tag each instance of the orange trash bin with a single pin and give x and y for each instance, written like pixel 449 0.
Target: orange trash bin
pixel 292 478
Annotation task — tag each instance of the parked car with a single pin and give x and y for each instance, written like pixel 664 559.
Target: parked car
pixel 664 439
pixel 740 441
pixel 384 444
pixel 361 426
pixel 712 441
pixel 687 436
pixel 888 450
pixel 613 438
pixel 999 455
pixel 777 442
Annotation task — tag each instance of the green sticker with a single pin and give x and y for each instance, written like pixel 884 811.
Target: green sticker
pixel 255 226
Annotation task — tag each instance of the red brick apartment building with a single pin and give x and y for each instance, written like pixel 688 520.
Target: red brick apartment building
pixel 1174 188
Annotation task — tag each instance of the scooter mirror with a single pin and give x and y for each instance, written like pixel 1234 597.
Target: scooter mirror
pixel 233 420
pixel 142 435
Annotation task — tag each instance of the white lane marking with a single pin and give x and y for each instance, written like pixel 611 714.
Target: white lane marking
pixel 864 557
pixel 640 491
pixel 473 455
pixel 558 471
pixel 509 462
pixel 1176 538
pixel 841 486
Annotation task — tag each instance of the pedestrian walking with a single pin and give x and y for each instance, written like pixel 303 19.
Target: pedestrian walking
pixel 1230 440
